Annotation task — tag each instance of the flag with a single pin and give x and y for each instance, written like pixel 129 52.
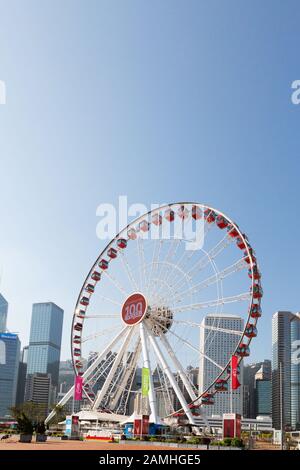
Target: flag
pixel 145 381
pixel 234 373
pixel 78 388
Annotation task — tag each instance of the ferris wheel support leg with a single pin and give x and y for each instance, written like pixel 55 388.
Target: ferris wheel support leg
pixel 170 376
pixel 88 372
pixel 112 371
pixel 147 365
pixel 182 374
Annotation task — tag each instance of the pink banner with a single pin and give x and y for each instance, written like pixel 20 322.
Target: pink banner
pixel 78 387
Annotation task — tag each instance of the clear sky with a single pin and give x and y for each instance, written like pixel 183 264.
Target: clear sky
pixel 162 101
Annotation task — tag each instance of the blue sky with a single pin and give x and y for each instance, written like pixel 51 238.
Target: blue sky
pixel 161 101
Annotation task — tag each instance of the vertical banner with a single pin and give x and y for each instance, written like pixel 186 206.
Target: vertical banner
pixel 145 381
pixel 78 388
pixel 234 373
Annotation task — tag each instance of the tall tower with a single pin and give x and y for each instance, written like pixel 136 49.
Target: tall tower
pixel 3 313
pixel 217 346
pixel 285 392
pixel 44 343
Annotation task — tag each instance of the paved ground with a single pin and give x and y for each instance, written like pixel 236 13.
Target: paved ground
pixel 13 444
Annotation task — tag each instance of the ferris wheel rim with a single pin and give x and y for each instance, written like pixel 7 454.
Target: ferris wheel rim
pixel 135 222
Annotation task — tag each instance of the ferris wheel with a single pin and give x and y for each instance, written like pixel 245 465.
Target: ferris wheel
pixel 140 318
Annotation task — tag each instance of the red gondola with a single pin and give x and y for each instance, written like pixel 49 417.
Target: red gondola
pixel 77 339
pixel 169 215
pixel 232 231
pixel 221 385
pixel 81 313
pixel 209 216
pixel 256 274
pixel 78 326
pixel 255 311
pixel 243 350
pixel 252 256
pixel 221 222
pixel 96 276
pixel 196 212
pixel 76 352
pixel 240 243
pixel 122 243
pixel 183 212
pixel 103 264
pixel 112 253
pixel 90 288
pixel 144 226
pixel 257 291
pixel 156 219
pixel 250 331
pixel 78 365
pixel 84 301
pixel 207 399
pixel 132 234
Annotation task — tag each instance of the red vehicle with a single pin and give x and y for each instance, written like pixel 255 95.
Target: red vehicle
pixel 207 399
pixel 144 226
pixel 103 264
pixel 250 331
pixel 183 212
pixel 221 222
pixel 256 274
pixel 84 301
pixel 96 276
pixel 209 216
pixel 221 385
pixel 255 311
pixel 196 212
pixel 232 231
pixel 90 288
pixel 169 215
pixel 243 350
pixel 156 219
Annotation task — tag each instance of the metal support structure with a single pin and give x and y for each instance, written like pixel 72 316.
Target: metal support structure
pixel 88 372
pixel 152 397
pixel 112 371
pixel 170 376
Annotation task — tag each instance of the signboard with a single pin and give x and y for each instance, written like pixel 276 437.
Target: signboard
pixel 145 381
pixel 134 309
pixel 234 373
pixel 137 427
pixel 232 425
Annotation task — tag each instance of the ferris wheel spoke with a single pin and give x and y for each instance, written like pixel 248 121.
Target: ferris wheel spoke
pixel 130 368
pixel 107 299
pixel 155 258
pixel 208 327
pixel 214 303
pixel 165 388
pixel 170 376
pixel 128 270
pixel 172 250
pixel 99 333
pixel 104 315
pixel 179 271
pixel 113 369
pixel 178 366
pixel 115 282
pixel 234 268
pixel 141 252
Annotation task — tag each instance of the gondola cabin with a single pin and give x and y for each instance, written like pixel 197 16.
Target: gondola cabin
pixel 221 385
pixel 207 399
pixel 209 216
pixel 112 253
pixel 144 226
pixel 196 212
pixel 255 311
pixel 232 231
pixel 240 243
pixel 169 215
pixel 255 274
pixel 96 276
pixel 90 288
pixel 84 301
pixel 132 234
pixel 183 212
pixel 221 222
pixel 122 243
pixel 250 331
pixel 157 219
pixel 243 350
pixel 78 327
pixel 257 291
pixel 103 264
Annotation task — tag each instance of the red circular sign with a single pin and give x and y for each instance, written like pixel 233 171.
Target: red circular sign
pixel 134 309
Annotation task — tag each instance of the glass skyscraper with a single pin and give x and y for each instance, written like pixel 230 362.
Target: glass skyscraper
pixel 285 334
pixel 219 346
pixel 295 373
pixel 45 340
pixel 9 365
pixel 3 313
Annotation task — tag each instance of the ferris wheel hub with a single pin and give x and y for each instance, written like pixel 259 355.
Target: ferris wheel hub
pixel 160 319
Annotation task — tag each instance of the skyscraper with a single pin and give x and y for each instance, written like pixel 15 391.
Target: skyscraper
pixel 217 346
pixel 285 334
pixel 3 313
pixel 45 341
pixel 295 372
pixel 22 376
pixel 9 365
pixel 252 373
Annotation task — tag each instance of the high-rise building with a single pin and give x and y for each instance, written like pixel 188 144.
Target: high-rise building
pixel 217 346
pixel 263 397
pixel 285 334
pixel 38 390
pixel 45 340
pixel 3 313
pixel 295 372
pixel 22 376
pixel 252 373
pixel 9 365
